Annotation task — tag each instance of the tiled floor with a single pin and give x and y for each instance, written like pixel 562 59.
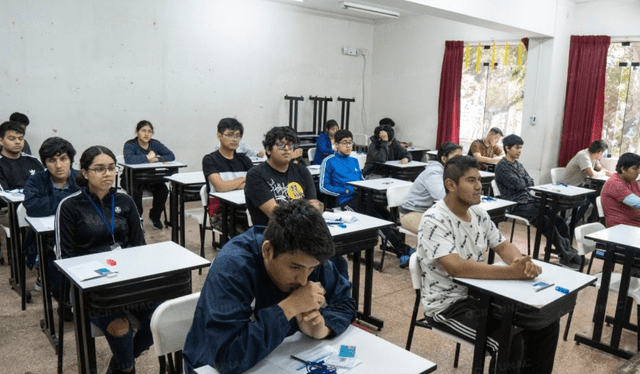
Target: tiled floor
pixel 24 348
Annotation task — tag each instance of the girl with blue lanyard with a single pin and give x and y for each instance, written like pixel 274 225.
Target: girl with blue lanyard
pixel 99 219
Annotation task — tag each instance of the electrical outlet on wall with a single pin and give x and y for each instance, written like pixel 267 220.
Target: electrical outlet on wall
pixel 350 51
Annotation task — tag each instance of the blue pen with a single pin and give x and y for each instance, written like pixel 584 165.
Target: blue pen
pixel 561 289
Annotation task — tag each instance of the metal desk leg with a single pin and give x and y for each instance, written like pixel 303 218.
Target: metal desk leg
pixel 550 237
pixel 47 324
pixel 180 222
pixel 173 211
pixel 224 223
pixel 481 304
pixel 536 245
pixel 355 280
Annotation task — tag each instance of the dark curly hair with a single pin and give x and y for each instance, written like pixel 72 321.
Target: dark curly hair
pixel 278 133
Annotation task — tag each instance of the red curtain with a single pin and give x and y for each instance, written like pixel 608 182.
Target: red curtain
pixel 584 101
pixel 449 104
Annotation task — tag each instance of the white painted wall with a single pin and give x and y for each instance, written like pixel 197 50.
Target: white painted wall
pixel 616 18
pixel 88 71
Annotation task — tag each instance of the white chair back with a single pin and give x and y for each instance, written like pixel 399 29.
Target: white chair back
pixel 396 195
pixel 494 187
pixel 171 322
pixel 312 154
pixel 416 272
pixel 599 207
pixel 585 245
pixel 22 214
pixel 557 175
pixel 361 139
pixel 204 196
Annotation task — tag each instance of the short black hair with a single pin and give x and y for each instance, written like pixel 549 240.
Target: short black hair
pixel 495 130
pixel 142 124
pixel 626 161
pixel 386 128
pixel 277 133
pixel 10 126
pixel 510 141
pixel 330 124
pixel 341 134
pixel 231 124
pixel 297 225
pixel 56 146
pixel 87 159
pixel 20 118
pixel 446 149
pixel 598 146
pixel 387 121
pixel 456 167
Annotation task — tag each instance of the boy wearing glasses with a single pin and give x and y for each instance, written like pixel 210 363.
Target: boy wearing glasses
pixel 15 167
pixel 279 179
pixel 340 168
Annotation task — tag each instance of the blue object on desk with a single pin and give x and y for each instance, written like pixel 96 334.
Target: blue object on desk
pixel 488 198
pixel 561 184
pixel 561 289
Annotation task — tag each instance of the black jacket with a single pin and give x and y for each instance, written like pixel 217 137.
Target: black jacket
pixel 381 152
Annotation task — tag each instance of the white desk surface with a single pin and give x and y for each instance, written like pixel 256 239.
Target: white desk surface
pixel 154 165
pixel 377 355
pixel 193 177
pixel 235 197
pixel 486 174
pixel 13 196
pixel 562 190
pixel 522 291
pixel 380 184
pixel 41 224
pixel 257 160
pixel 625 235
pixel 496 204
pixel 410 164
pixel 602 178
pixel 433 153
pixel 418 148
pixel 314 169
pixel 363 222
pixel 136 262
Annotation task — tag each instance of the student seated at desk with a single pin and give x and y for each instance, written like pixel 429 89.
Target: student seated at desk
pixel 140 150
pixel 427 188
pixel 99 219
pixel 266 284
pixel 391 123
pixel 42 194
pixel 23 120
pixel 226 169
pixel 486 151
pixel 384 147
pixel 621 194
pixel 455 233
pixel 513 181
pixel 279 179
pixel 326 143
pixel 15 166
pixel 340 168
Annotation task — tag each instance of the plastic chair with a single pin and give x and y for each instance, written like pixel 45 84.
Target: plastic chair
pixel 170 325
pixel 524 221
pixel 557 175
pixel 600 210
pixel 586 246
pixel 416 281
pixel 202 216
pixel 396 195
pixel 312 154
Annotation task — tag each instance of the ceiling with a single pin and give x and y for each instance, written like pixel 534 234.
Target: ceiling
pixel 335 7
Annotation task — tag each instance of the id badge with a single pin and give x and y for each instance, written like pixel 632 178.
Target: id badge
pixel 115 247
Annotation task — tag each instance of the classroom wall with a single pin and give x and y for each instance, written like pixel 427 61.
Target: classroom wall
pixel 616 18
pixel 88 71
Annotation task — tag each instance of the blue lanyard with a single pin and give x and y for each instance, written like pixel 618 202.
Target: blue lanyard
pixel 111 229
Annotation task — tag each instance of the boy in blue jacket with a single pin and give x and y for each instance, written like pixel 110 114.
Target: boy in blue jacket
pixel 340 168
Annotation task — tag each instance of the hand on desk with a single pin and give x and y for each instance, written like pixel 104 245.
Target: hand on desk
pixel 404 161
pixel 312 324
pixel 151 156
pixel 525 267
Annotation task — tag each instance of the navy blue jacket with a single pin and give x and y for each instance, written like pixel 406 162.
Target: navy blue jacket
pixel 238 322
pixel 40 198
pixel 135 154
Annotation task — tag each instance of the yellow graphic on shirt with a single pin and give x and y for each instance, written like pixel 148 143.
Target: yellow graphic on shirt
pixel 295 191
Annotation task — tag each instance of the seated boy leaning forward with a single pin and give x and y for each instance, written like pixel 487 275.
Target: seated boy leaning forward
pixel 265 285
pixel 455 233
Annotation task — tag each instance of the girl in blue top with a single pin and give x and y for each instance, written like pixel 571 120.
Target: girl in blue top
pixel 326 144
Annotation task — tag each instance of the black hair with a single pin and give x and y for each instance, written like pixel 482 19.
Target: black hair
pixel 56 146
pixel 87 159
pixel 456 167
pixel 297 225
pixel 386 128
pixel 495 130
pixel 277 133
pixel 598 146
pixel 446 149
pixel 510 141
pixel 387 121
pixel 341 134
pixel 10 126
pixel 142 124
pixel 20 118
pixel 626 161
pixel 231 124
pixel 330 124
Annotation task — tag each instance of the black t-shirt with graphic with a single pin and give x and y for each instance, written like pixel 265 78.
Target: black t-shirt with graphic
pixel 264 183
pixel 15 172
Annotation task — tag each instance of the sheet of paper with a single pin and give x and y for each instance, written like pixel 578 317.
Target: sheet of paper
pixel 87 270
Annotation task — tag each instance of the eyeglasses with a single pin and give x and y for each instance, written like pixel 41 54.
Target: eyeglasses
pixel 346 144
pixel 103 169
pixel 232 135
pixel 281 146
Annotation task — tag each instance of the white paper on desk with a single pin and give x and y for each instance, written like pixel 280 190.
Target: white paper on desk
pixel 341 217
pixel 86 270
pixel 322 353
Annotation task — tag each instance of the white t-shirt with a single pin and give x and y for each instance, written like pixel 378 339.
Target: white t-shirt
pixel 442 233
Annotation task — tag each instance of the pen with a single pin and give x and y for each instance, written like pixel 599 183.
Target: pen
pixel 545 287
pixel 298 359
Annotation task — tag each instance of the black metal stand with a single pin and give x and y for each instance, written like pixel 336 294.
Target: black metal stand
pixel 320 105
pixel 344 114
pixel 293 110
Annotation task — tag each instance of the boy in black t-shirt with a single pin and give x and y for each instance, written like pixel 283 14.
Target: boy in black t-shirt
pixel 278 179
pixel 15 166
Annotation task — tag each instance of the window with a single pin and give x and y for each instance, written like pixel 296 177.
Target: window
pixel 621 124
pixel 491 97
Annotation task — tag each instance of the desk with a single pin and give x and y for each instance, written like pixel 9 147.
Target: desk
pixel 485 178
pixel 144 266
pixel 596 183
pixel 258 160
pixel 43 226
pixel 371 191
pixel 624 240
pixel 417 152
pixel 558 198
pixel 14 253
pixel 408 172
pixel 512 295
pixel 432 155
pixel 230 202
pixel 181 184
pixel 361 235
pixel 497 208
pixel 377 355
